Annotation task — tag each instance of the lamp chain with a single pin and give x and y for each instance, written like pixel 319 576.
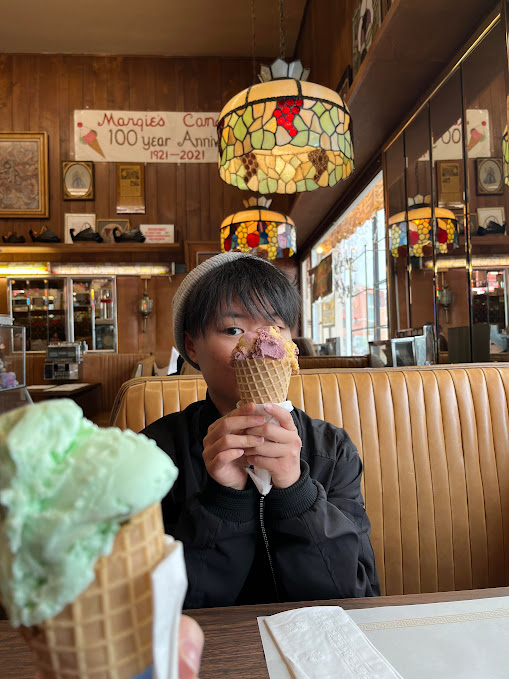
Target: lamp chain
pixel 282 45
pixel 253 38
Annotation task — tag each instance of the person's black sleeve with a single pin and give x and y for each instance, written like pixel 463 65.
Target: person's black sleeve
pixel 321 537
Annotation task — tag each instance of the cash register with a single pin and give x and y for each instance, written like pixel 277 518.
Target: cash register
pixel 64 361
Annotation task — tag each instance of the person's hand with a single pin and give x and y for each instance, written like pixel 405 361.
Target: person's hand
pixel 226 443
pixel 280 451
pixel 190 648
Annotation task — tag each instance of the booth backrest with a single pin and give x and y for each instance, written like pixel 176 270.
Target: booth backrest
pixel 435 446
pixel 321 362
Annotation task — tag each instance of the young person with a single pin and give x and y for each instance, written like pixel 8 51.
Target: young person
pixel 309 537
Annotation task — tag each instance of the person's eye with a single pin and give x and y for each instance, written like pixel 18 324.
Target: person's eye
pixel 233 331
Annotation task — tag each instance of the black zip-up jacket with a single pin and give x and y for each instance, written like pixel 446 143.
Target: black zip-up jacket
pixel 317 531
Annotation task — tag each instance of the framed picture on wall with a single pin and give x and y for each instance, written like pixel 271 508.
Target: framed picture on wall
pixel 490 218
pixel 78 222
pixel 77 180
pixel 131 188
pixel 24 174
pixel 490 176
pixel 197 252
pixel 450 183
pixel 345 83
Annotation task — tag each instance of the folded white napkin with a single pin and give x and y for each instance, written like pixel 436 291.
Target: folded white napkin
pixel 169 586
pixel 261 477
pixel 321 642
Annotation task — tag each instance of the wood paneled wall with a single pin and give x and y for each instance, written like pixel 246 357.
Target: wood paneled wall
pixel 111 370
pixel 326 40
pixel 159 335
pixel 41 92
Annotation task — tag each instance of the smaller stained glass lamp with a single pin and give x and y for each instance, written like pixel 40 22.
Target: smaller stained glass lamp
pixel 259 231
pixel 285 135
pixel 417 232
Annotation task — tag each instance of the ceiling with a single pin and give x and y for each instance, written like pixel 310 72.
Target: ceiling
pixel 174 28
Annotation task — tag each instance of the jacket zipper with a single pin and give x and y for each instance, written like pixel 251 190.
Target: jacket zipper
pixel 266 542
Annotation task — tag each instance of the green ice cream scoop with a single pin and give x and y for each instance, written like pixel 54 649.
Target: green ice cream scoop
pixel 65 487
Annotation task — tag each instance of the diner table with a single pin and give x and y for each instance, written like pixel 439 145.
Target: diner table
pixel 233 646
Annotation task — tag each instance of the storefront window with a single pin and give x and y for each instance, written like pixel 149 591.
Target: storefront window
pixel 345 298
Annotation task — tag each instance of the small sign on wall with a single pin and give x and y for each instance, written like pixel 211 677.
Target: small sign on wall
pixel 158 233
pixel 145 136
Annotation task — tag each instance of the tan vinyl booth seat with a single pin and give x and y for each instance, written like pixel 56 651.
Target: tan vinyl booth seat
pixel 435 446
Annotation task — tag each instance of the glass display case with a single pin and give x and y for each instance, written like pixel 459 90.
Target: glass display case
pixel 13 391
pixel 66 309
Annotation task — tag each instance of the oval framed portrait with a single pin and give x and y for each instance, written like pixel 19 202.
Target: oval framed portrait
pixel 77 180
pixel 490 176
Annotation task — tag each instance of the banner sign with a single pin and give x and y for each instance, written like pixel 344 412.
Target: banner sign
pixel 145 136
pixel 450 145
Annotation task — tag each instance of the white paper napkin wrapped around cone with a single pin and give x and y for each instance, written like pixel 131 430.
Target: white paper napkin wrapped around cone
pixel 169 586
pixel 261 477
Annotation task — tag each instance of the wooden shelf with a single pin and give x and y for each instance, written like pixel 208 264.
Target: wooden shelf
pixel 92 252
pixel 414 45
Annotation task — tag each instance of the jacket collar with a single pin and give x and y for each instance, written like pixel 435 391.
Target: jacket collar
pixel 208 414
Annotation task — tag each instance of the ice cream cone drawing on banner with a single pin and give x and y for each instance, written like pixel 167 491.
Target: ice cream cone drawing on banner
pixel 476 136
pixel 477 133
pixel 89 137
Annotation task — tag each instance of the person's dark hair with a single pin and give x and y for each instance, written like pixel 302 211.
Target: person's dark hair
pixel 262 288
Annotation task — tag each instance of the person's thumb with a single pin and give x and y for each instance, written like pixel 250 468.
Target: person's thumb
pixel 191 641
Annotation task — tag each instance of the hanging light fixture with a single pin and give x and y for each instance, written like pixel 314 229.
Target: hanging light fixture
pixel 285 135
pixel 416 232
pixel 260 231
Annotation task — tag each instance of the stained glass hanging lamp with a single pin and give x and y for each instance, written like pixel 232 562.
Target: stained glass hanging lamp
pixel 285 135
pixel 259 230
pixel 415 232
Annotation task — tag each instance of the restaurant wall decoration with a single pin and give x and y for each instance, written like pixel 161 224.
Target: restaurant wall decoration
pixel 130 188
pixel 322 279
pixel 77 180
pixel 145 136
pixel 366 21
pixel 24 175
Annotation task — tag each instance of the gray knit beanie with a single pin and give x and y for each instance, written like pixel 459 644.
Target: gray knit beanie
pixel 184 291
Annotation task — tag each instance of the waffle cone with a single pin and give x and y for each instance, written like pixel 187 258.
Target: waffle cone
pixel 262 380
pixel 106 632
pixel 96 146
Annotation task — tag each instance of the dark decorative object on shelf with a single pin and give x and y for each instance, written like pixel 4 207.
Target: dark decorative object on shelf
pixel 46 235
pixel 490 228
pixel 129 236
pixel 87 235
pixel 12 237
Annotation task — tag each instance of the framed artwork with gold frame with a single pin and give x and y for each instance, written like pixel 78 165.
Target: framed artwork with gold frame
pixel 197 252
pixel 490 176
pixel 24 175
pixel 77 180
pixel 131 188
